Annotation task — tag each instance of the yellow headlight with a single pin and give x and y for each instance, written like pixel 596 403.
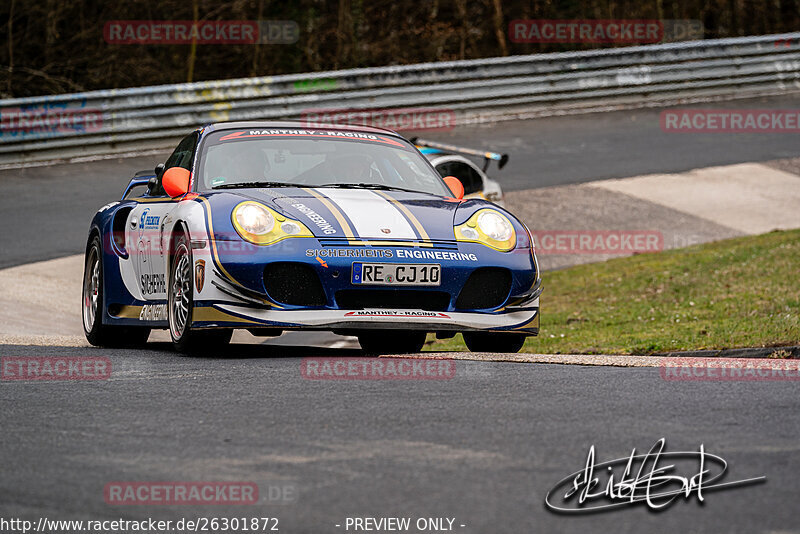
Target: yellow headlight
pixel 488 227
pixel 260 225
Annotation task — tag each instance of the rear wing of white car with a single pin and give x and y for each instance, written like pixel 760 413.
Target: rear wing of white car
pixel 501 159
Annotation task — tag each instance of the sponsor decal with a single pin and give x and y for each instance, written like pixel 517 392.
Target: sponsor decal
pixel 199 274
pixel 55 368
pixel 153 283
pixel 279 132
pixel 396 313
pixel 180 493
pixel 316 218
pixel 322 262
pixel 386 230
pixel 359 368
pixel 350 253
pixel 387 253
pixel 153 312
pixel 147 221
pixel 436 255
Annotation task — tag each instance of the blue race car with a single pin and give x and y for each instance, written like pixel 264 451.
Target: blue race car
pixel 270 226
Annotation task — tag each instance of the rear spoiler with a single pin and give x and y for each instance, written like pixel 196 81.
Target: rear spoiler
pixel 501 159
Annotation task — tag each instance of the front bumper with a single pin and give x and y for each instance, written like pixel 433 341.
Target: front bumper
pixel 235 294
pixel 235 316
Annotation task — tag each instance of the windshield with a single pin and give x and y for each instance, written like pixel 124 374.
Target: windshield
pixel 313 158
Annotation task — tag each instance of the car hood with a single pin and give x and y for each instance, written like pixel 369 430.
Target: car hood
pixel 363 213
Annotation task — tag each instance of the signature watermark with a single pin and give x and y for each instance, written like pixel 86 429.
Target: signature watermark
pixel 652 479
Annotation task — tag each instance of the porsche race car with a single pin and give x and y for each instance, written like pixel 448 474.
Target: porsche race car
pixel 270 227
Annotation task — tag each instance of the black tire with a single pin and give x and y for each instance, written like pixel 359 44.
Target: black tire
pixel 92 302
pixel 180 304
pixel 391 341
pixel 493 342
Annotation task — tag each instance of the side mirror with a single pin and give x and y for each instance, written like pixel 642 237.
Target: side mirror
pixel 455 186
pixel 152 183
pixel 176 181
pixel 159 170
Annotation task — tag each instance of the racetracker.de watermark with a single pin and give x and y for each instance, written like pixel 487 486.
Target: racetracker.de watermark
pixel 55 368
pixel 179 32
pixel 392 119
pixel 181 493
pixel 607 31
pixel 597 241
pixel 730 121
pixel 336 368
pixel 48 121
pixel 728 369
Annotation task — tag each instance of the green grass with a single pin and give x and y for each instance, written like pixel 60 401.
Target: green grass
pixel 742 292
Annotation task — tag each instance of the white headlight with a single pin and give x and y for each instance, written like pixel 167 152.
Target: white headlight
pixel 495 225
pixel 254 219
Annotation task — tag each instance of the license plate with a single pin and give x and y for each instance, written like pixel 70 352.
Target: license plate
pixel 397 274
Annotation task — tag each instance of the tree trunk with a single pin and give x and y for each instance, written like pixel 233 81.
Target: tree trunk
pixel 10 48
pixel 500 27
pixel 193 47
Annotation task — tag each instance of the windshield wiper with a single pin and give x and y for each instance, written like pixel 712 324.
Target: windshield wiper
pixel 369 186
pixel 239 185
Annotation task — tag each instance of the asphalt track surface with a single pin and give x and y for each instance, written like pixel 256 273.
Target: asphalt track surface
pixel 483 447
pixel 46 211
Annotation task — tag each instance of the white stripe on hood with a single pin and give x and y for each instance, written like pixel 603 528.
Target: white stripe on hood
pixel 371 214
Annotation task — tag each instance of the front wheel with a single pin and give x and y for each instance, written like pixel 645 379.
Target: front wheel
pixel 92 302
pixel 493 342
pixel 391 341
pixel 180 305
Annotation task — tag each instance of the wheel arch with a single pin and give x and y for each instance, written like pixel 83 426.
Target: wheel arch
pixel 94 231
pixel 178 228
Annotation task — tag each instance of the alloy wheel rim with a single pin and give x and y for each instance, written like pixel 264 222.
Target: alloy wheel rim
pixel 91 290
pixel 181 291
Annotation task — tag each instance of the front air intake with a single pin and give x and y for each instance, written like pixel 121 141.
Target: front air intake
pixel 295 284
pixel 486 287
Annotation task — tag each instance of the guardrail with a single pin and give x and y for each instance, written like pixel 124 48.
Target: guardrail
pixel 111 121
